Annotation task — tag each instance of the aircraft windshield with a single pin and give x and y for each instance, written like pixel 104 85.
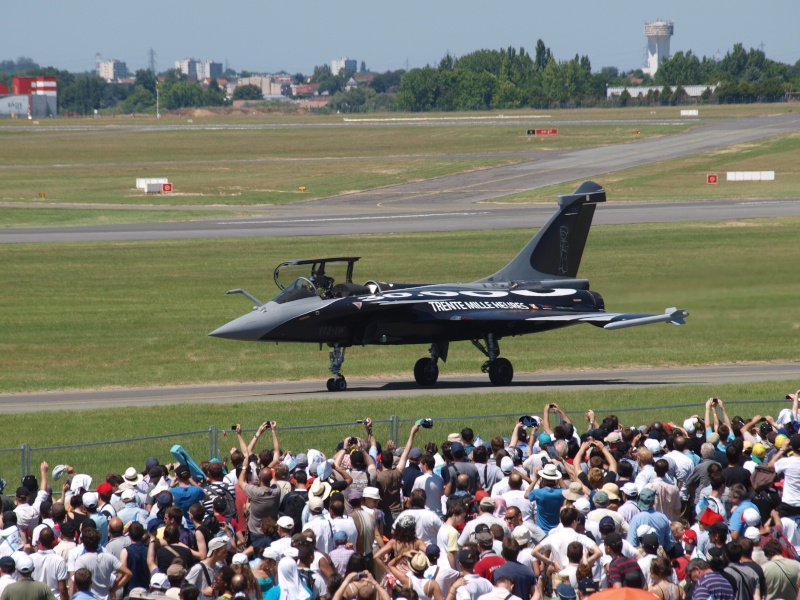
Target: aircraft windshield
pixel 323 273
pixel 300 288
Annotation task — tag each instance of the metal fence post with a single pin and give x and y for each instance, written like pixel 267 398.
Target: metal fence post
pixel 22 463
pixel 212 437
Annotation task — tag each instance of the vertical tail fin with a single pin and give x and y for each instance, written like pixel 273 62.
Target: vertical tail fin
pixel 555 251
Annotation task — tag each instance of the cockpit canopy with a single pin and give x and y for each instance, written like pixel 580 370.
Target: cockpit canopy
pixel 324 277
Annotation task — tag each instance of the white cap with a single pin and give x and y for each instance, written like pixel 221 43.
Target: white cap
pixel 240 558
pixel 507 464
pixel 630 489
pixel 372 492
pixel 751 516
pixel 271 554
pixel 582 505
pixel 652 445
pixel 159 581
pixel 89 499
pixel 644 530
pixel 689 424
pixel 752 533
pixel 286 522
pixel 128 495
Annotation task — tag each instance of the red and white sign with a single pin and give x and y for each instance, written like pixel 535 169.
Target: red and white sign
pixel 166 188
pixel 712 179
pixel 546 131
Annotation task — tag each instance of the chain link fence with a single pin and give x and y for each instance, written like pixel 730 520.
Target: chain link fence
pixel 100 458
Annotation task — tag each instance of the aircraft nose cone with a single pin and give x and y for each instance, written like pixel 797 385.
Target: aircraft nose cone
pixel 247 328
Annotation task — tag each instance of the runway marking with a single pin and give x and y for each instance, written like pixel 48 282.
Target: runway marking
pixel 373 218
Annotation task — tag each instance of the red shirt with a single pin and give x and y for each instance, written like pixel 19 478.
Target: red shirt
pixel 486 566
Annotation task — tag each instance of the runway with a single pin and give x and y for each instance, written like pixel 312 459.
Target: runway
pixel 380 387
pixel 458 202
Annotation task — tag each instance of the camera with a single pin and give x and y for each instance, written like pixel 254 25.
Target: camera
pixel 352 441
pixel 233 427
pixel 552 406
pixel 360 576
pixel 269 424
pixel 788 397
pixel 763 419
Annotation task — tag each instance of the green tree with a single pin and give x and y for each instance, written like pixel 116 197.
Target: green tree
pixel 140 101
pixel 213 96
pixel 183 94
pixel 147 79
pixel 624 98
pixel 543 54
pixel 248 92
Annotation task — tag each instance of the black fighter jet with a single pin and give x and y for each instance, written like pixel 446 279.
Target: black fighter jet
pixel 537 291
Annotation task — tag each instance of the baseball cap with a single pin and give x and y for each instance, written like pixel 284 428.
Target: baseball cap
pixel 587 586
pixel 432 551
pixel 601 499
pixel 105 489
pixel 89 499
pixel 468 556
pixel 613 438
pixel 566 592
pixel 582 505
pixel 415 454
pixel 759 451
pixel 58 471
pixel 613 538
pixel 456 447
pixel 159 581
pixel 488 503
pixel 719 528
pixel 177 570
pixel 649 540
pixel 286 522
pixel 751 516
pixel 24 563
pixel 215 544
pixel 653 445
pixel 630 490
pixel 301 460
pixel 507 464
pixel 340 536
pixel 689 425
pixel 239 558
pixel 713 438
pixel 752 533
pixel 523 535
pixel 182 471
pixel 6 562
pixel 271 554
pixel 164 499
pixel 128 495
pixel 354 494
pixel 544 439
pixel 607 525
pixel 484 539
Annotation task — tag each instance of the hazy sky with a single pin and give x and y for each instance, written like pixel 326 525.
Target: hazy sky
pixel 296 35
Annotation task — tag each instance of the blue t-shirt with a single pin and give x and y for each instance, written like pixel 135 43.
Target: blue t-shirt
pixel 548 506
pixel 736 522
pixel 275 593
pixel 184 497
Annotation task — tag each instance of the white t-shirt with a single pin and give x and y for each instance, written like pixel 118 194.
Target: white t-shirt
pixel 790 466
pixel 103 567
pixel 347 525
pixel 49 568
pixel 433 485
pixel 557 543
pixel 475 587
pixel 427 523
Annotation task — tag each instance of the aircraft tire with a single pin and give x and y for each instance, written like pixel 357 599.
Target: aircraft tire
pixel 501 372
pixel 340 385
pixel 329 385
pixel 426 372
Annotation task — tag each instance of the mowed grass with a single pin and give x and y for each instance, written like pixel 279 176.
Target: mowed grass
pixel 685 178
pixel 268 166
pixel 56 217
pixel 90 315
pixel 632 406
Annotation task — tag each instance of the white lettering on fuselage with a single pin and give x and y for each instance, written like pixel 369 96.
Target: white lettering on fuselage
pixel 444 306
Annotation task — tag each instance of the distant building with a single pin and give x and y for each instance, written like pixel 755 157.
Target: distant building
pixel 351 83
pixel 187 66
pixel 306 89
pixel 270 86
pixel 343 64
pixel 31 97
pixel 208 70
pixel 693 91
pixel 112 70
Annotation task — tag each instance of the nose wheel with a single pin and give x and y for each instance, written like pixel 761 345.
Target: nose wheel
pixel 337 383
pixel 426 370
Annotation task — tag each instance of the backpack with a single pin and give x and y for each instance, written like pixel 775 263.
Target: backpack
pixel 787 548
pixel 221 490
pixel 294 503
pixel 307 579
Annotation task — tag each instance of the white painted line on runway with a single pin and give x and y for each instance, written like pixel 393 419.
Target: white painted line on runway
pixel 374 218
pixel 763 202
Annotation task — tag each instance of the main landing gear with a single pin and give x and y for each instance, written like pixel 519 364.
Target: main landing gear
pixel 337 383
pixel 500 370
pixel 426 371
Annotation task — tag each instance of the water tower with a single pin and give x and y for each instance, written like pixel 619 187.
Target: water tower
pixel 658 34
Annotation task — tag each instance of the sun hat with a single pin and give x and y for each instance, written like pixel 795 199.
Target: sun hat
pixel 550 472
pixel 612 490
pixel 419 563
pixel 574 491
pixel 372 493
pixel 132 476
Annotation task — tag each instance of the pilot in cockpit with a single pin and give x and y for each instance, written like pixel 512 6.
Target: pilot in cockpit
pixel 323 284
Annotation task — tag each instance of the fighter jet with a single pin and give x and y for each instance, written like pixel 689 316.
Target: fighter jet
pixel 537 291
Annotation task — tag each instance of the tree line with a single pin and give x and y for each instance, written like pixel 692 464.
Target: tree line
pixel 482 80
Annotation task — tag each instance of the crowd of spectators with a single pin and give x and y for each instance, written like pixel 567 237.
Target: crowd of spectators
pixel 705 509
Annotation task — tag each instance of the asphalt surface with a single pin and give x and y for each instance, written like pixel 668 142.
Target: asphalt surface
pixel 457 202
pixel 371 388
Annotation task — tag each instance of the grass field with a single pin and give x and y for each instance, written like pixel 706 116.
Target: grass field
pixel 633 406
pixel 56 217
pixel 685 178
pixel 87 315
pixel 225 167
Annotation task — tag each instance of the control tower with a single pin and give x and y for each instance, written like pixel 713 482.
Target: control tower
pixel 658 34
